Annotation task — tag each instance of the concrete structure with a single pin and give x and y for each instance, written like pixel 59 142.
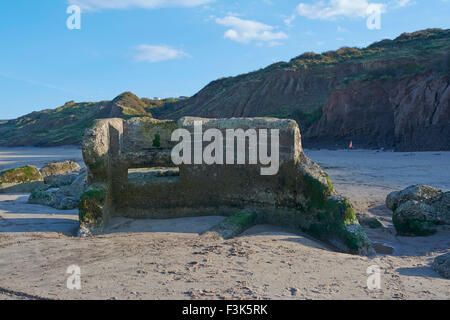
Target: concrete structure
pixel 125 160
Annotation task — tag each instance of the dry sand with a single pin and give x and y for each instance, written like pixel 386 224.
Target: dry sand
pixel 168 259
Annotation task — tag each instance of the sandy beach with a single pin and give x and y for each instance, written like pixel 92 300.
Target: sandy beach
pixel 169 259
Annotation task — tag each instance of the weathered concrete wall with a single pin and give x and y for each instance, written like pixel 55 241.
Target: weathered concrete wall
pixel 299 196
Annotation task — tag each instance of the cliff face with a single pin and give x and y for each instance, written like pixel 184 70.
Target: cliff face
pixel 422 114
pixel 411 114
pixel 393 94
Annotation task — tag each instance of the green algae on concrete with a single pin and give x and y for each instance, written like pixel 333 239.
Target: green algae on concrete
pixel 235 224
pixel 91 206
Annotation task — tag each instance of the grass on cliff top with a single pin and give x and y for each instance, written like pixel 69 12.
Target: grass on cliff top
pixel 65 125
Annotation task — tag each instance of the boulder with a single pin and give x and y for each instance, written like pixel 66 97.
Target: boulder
pixel 442 265
pixel 24 179
pixel 442 207
pixel 418 209
pixel 53 198
pixel 57 181
pixel 58 169
pixel 64 198
pixel 20 175
pixel 77 187
pixel 414 218
pixel 418 192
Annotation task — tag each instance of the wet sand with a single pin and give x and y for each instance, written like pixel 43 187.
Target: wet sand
pixel 168 259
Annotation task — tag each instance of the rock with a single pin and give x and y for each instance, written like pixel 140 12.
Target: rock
pixel 442 265
pixel 382 249
pixel 77 188
pixel 371 222
pixel 418 192
pixel 20 175
pixel 58 169
pixel 60 180
pixel 418 209
pixel 53 198
pixel 414 218
pixel 64 198
pixel 27 187
pixel 24 179
pixel 442 206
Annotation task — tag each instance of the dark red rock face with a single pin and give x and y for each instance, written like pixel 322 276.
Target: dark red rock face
pixel 409 115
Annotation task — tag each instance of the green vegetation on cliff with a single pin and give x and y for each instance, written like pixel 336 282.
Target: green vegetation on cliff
pixel 65 125
pixel 298 89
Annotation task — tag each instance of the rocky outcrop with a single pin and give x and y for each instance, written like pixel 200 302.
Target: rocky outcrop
pixel 408 114
pixel 418 209
pixel 442 265
pixel 393 94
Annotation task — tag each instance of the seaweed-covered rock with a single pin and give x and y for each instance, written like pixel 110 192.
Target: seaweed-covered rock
pixel 418 209
pixel 442 265
pixel 77 187
pixel 59 168
pixel 418 192
pixel 53 198
pixel 442 206
pixel 20 175
pixel 414 218
pixel 61 180
pixel 64 198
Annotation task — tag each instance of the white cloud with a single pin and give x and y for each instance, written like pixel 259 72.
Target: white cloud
pixel 146 4
pixel 338 8
pixel 152 54
pixel 245 31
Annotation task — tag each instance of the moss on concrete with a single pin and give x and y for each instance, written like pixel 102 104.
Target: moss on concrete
pixel 91 206
pixel 235 224
pixel 337 224
pixel 316 191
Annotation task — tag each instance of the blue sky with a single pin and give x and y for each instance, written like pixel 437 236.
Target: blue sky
pixel 165 48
